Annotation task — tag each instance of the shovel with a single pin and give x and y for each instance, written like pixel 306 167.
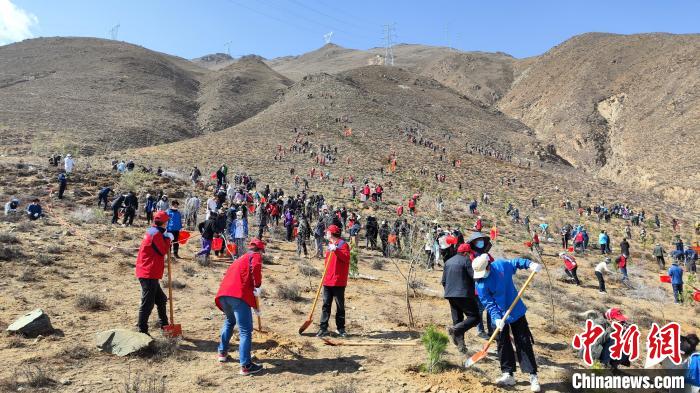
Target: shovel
pixel 173 330
pixel 482 354
pixel 257 307
pixel 306 323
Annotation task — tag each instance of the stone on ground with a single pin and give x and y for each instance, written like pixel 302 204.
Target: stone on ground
pixel 32 324
pixel 122 342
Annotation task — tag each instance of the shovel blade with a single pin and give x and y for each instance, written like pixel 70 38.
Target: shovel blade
pixel 475 358
pixel 304 326
pixel 172 331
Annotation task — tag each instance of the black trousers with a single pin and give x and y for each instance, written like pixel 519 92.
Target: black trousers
pixel 461 307
pixel 301 245
pixel 290 232
pixel 149 216
pixel 662 263
pixel 572 273
pixel 385 248
pixel 151 294
pixel 115 215
pixel 102 199
pixel 176 245
pixel 523 347
pixel 330 293
pixel 601 281
pixel 61 190
pixel 129 214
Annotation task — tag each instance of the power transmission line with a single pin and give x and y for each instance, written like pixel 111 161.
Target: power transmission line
pixel 389 39
pixel 302 27
pixel 316 22
pixel 114 32
pixel 228 47
pixel 344 22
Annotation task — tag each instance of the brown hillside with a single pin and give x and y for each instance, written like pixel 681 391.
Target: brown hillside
pixel 237 92
pixel 214 61
pixel 623 106
pixel 104 94
pixel 482 76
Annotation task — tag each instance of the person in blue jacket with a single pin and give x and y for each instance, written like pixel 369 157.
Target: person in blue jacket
pixel 691 258
pixel 34 210
pixel 174 225
pixel 676 274
pixel 149 207
pixel 494 285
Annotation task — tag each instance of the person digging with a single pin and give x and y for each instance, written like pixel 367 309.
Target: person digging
pixel 335 281
pixel 236 297
pixel 458 282
pixel 150 264
pixel 494 285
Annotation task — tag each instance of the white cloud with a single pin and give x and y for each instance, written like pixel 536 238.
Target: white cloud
pixel 15 23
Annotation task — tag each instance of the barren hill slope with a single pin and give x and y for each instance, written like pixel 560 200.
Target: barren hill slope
pixel 214 61
pixel 237 92
pixel 478 75
pixel 623 106
pixel 92 94
pixel 378 103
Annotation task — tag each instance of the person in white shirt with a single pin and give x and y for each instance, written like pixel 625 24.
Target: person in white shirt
pixel 68 164
pixel 211 206
pixel 599 269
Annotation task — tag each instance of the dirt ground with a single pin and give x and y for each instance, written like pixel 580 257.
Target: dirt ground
pixel 63 258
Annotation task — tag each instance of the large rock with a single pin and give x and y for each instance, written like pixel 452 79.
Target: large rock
pixel 32 324
pixel 122 342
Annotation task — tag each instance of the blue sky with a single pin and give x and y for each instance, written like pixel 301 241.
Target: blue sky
pixel 274 28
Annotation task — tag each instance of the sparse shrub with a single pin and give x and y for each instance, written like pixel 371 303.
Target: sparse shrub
pixel 140 383
pixel 59 295
pixel 25 226
pixel 309 270
pixel 354 268
pixel 134 180
pixel 435 343
pixel 15 341
pixel 90 302
pixel 8 238
pixel 28 275
pixel 178 284
pixel 11 218
pixel 86 215
pixel 11 383
pixel 289 291
pixel 378 264
pixel 416 284
pixel 205 381
pixel 54 249
pixel 46 260
pixel 9 253
pixel 37 377
pixel 76 352
pixel 189 270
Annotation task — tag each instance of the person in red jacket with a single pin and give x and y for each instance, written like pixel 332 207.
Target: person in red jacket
pixel 237 298
pixel 412 206
pixel 335 281
pixel 399 210
pixel 150 264
pixel 570 266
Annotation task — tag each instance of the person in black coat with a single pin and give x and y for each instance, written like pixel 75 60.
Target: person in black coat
pixel 372 230
pixel 458 282
pixel 116 206
pixel 131 206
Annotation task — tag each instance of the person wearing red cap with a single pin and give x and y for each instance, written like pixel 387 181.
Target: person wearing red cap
pixel 150 264
pixel 458 282
pixel 335 281
pixel 236 298
pixel 613 315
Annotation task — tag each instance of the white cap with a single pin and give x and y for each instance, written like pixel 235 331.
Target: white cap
pixel 479 264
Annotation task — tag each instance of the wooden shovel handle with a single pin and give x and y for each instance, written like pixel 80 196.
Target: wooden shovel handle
pixel 320 285
pixel 170 289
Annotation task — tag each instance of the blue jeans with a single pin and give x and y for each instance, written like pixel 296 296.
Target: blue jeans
pixel 237 310
pixel 206 247
pixel 623 270
pixel 677 293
